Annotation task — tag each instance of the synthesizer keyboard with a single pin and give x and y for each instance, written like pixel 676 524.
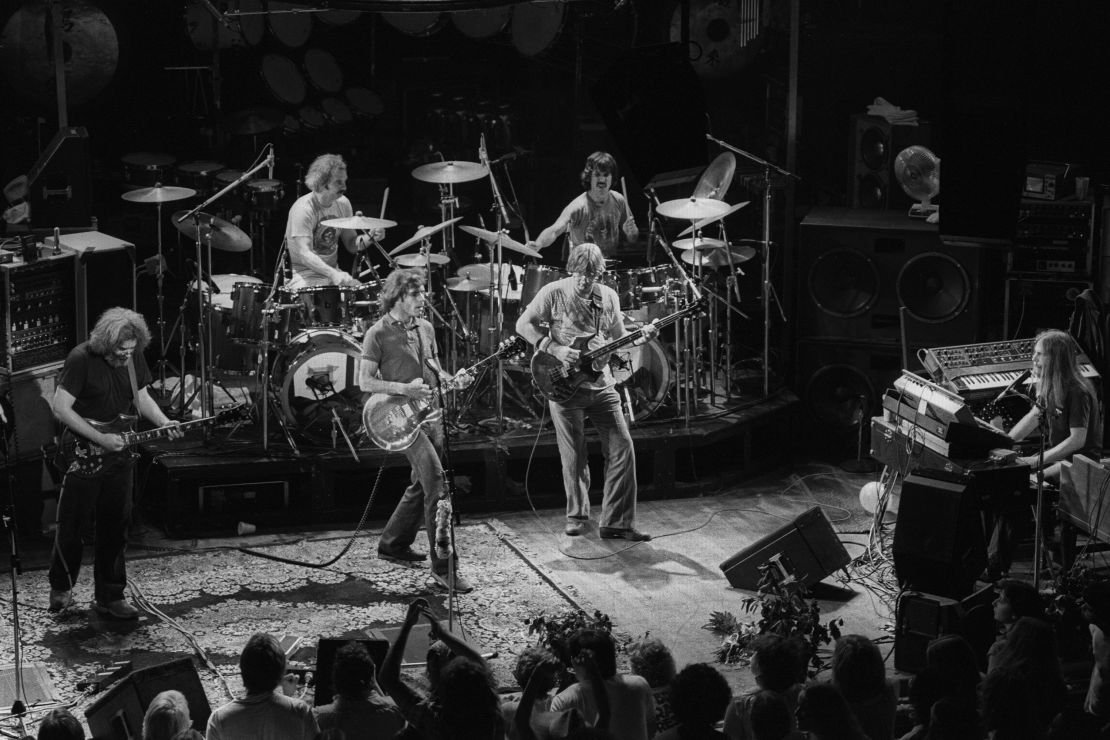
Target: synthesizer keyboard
pixel 982 369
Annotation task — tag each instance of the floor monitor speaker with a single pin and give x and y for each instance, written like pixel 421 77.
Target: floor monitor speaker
pixel 326 649
pixel 118 714
pixel 806 548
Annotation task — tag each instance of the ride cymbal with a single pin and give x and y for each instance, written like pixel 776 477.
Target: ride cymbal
pixel 222 235
pixel 422 260
pixel 158 194
pixel 718 257
pixel 448 172
pixel 693 209
pixel 699 242
pixel 466 284
pixel 717 178
pixel 492 237
pixel 365 223
pixel 423 233
pixel 711 219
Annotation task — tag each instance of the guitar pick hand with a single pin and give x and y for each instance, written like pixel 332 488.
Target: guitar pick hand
pixel 417 389
pixel 112 442
pixel 563 353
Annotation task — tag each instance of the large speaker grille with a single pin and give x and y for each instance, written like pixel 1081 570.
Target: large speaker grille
pixel 839 396
pixel 844 282
pixel 933 287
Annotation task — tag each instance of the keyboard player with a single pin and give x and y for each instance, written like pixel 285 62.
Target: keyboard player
pixel 1071 424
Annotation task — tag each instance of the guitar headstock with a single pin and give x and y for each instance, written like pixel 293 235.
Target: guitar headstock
pixel 513 348
pixel 238 412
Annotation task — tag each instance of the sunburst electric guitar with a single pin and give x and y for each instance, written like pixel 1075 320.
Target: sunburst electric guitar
pixel 559 381
pixel 393 421
pixel 79 455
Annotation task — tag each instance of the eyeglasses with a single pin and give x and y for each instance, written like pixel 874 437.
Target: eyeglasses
pixel 591 274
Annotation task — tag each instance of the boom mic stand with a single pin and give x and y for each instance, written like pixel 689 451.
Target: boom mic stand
pixel 448 548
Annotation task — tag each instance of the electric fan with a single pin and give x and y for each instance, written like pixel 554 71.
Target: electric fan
pixel 918 171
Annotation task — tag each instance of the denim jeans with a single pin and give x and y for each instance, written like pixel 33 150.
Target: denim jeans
pixel 603 407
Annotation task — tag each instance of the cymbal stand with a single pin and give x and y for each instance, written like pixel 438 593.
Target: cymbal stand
pixel 160 296
pixel 502 217
pixel 687 396
pixel 269 308
pixel 769 293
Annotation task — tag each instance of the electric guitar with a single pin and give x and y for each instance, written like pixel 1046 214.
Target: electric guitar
pixel 82 456
pixel 393 420
pixel 559 381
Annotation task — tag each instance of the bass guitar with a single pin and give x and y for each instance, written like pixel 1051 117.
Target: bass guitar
pixel 392 421
pixel 559 381
pixel 78 455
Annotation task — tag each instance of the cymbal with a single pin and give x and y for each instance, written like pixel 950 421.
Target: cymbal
pixel 710 219
pixel 423 233
pixel 466 284
pixel 507 241
pixel 223 235
pixel 717 257
pixel 158 194
pixel 446 172
pixel 699 242
pixel 693 209
pixel 714 182
pixel 253 121
pixel 422 260
pixel 359 222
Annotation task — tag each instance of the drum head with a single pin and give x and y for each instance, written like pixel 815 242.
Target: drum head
pixel 283 78
pixel 323 71
pixel 643 376
pixel 252 21
pixel 316 378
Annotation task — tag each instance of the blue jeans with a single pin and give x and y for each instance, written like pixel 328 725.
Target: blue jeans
pixel 421 497
pixel 618 503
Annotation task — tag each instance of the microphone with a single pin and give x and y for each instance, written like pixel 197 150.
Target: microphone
pixel 595 301
pixel 215 12
pixel 443 539
pixel 270 164
pixel 1017 381
pixel 513 283
pixel 207 278
pixel 483 157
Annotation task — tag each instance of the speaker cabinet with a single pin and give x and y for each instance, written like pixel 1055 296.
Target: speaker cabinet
pixel 118 714
pixel 326 649
pixel 875 144
pixel 859 268
pixel 30 396
pixel 841 383
pixel 938 542
pixel 922 618
pixel 806 548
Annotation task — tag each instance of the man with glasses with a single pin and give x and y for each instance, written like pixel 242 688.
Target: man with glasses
pixel 101 378
pixel 580 307
pixel 400 357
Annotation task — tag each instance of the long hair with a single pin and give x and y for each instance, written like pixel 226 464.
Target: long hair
pixel 322 171
pixel 167 715
pixel 1059 368
pixel 599 162
pixel 116 326
pixel 396 284
pixel 586 257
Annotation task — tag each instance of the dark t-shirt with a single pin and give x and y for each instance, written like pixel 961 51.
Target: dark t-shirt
pixel 101 391
pixel 399 351
pixel 1080 409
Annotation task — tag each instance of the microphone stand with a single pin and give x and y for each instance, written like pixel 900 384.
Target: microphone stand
pixel 449 496
pixel 1038 535
pixel 682 339
pixel 502 217
pixel 768 287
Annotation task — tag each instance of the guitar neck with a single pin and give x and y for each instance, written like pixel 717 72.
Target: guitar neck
pixel 633 336
pixel 448 386
pixel 133 438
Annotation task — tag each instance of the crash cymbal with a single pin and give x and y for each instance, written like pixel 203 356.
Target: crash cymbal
pixel 359 222
pixel 423 233
pixel 717 257
pixel 422 260
pixel 714 182
pixel 158 194
pixel 446 172
pixel 699 242
pixel 693 209
pixel 223 235
pixel 467 285
pixel 507 241
pixel 253 121
pixel 711 219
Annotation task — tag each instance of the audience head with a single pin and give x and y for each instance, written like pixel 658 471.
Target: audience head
pixel 857 668
pixel 777 662
pixel 950 720
pixel 352 674
pixel 926 689
pixel 823 712
pixel 190 734
pixel 1016 599
pixel 166 715
pixel 699 696
pixel 1031 644
pixel 59 724
pixel 1007 705
pixel 262 663
pixel 770 716
pixel 601 645
pixel 467 698
pixel 531 658
pixel 650 659
pixel 953 658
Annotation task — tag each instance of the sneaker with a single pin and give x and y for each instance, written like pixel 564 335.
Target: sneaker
pixel 574 527
pixel 403 555
pixel 462 586
pixel 60 599
pixel 118 609
pixel 616 533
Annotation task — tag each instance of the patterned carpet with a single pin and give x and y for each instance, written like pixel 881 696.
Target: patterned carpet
pixel 211 601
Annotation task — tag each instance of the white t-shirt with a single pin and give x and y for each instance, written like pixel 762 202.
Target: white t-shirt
pixel 305 216
pixel 273 716
pixel 631 706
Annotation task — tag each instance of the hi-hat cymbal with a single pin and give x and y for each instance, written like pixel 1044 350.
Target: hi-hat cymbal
pixel 254 121
pixel 158 194
pixel 699 242
pixel 422 260
pixel 711 219
pixel 447 172
pixel 423 233
pixel 693 209
pixel 507 241
pixel 715 181
pixel 222 235
pixel 359 222
pixel 466 284
pixel 718 257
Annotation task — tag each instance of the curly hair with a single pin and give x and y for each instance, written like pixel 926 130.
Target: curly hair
pixel 397 284
pixel 116 326
pixel 529 660
pixel 599 162
pixel 586 257
pixel 650 659
pixel 322 171
pixel 353 670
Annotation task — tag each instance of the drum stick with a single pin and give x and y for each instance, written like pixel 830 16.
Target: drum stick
pixel 385 199
pixel 624 190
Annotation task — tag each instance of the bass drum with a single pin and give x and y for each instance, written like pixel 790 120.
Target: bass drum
pixel 316 381
pixel 643 376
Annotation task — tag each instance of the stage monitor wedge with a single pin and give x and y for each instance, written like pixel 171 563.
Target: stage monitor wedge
pixel 806 548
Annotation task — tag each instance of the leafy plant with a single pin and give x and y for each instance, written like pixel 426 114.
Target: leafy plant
pixel 554 632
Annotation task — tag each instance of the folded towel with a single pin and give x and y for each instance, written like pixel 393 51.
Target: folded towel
pixel 892 113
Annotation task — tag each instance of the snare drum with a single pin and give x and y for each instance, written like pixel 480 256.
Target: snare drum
pixel 234 203
pixel 535 277
pixel 264 195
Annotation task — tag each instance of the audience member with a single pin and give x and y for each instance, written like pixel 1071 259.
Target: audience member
pixel 699 697
pixel 771 717
pixel 650 659
pixel 953 658
pixel 166 715
pixel 631 706
pixel 59 724
pixel 530 717
pixel 860 674
pixel 823 713
pixel 1030 652
pixel 359 707
pixel 777 665
pixel 1009 708
pixel 926 689
pixel 949 720
pixel 1096 609
pixel 264 711
pixel 1016 599
pixel 469 707
pixel 190 734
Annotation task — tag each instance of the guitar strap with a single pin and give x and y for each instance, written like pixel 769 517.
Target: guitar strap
pixel 134 385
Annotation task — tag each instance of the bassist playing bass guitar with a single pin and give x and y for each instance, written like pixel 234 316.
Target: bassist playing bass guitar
pixel 581 312
pixel 101 379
